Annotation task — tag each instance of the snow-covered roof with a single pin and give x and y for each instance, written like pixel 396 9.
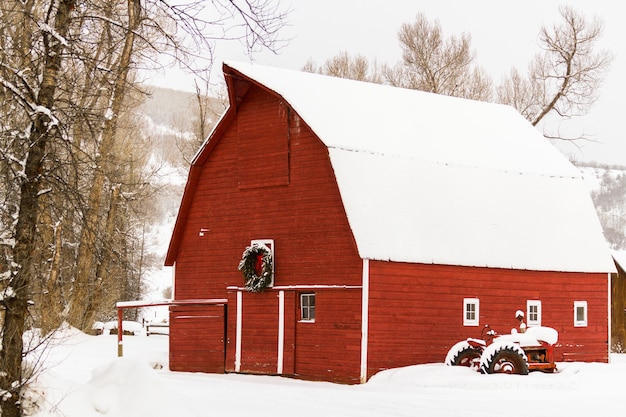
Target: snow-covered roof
pixel 427 178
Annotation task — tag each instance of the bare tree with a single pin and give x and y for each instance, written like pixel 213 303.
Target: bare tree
pixel 82 306
pixel 44 128
pixel 343 65
pixel 431 62
pixel 565 79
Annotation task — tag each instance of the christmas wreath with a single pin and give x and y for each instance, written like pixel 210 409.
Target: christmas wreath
pixel 256 267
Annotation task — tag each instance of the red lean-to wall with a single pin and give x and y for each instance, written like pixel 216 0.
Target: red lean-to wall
pixel 269 177
pixel 416 310
pixel 199 335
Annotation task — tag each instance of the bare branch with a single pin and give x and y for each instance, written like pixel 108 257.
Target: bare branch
pixel 565 79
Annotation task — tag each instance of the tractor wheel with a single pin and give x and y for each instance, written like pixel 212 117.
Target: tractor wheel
pixel 463 354
pixel 504 359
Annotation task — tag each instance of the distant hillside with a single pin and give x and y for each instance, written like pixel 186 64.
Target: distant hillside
pixel 607 184
pixel 169 107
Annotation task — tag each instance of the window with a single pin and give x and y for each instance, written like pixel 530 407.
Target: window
pixel 307 307
pixel 580 314
pixel 470 311
pixel 533 313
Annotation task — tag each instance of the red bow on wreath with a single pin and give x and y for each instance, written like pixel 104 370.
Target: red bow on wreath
pixel 256 268
pixel 258 265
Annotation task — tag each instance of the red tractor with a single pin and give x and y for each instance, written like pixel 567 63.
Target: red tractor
pixel 515 353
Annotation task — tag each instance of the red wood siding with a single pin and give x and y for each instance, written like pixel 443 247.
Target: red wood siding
pixel 197 339
pixel 263 154
pixel 327 349
pixel 259 341
pixel 304 215
pixel 416 311
pixel 306 219
pixel 330 348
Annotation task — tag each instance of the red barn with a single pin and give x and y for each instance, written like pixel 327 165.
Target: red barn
pixel 392 223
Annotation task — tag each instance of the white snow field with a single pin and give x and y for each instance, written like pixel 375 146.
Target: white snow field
pixel 82 377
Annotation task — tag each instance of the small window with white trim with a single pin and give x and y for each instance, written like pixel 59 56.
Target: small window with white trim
pixel 471 311
pixel 307 307
pixel 580 314
pixel 533 313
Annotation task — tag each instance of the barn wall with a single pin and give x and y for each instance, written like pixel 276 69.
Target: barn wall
pixel 327 349
pixel 416 311
pixel 330 348
pixel 282 188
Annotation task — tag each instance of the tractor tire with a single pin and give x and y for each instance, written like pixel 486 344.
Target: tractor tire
pixel 463 354
pixel 504 359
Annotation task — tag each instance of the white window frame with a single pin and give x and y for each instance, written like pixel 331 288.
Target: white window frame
pixel 268 243
pixel 467 319
pixel 584 321
pixel 529 320
pixel 302 296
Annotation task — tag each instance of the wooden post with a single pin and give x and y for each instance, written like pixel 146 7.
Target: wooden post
pixel 120 333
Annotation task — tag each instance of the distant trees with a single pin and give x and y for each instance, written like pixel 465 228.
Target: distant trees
pixel 564 80
pixel 431 62
pixel 76 186
pixel 207 108
pixel 344 66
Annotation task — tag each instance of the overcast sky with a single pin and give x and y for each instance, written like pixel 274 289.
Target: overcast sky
pixel 504 34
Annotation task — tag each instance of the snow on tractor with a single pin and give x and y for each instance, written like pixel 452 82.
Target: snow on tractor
pixel 515 353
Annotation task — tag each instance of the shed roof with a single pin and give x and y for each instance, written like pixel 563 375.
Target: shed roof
pixel 426 178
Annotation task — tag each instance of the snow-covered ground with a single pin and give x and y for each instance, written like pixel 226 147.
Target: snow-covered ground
pixel 83 377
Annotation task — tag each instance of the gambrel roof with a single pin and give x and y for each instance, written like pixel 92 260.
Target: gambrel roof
pixel 426 178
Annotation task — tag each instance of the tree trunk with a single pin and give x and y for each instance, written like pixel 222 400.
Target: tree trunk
pixel 43 127
pixel 85 263
pixel 94 300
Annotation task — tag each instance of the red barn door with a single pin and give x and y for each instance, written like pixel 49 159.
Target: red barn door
pixel 197 339
pixel 261 330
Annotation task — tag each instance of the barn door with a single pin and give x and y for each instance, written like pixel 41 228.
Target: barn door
pixel 261 330
pixel 197 338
